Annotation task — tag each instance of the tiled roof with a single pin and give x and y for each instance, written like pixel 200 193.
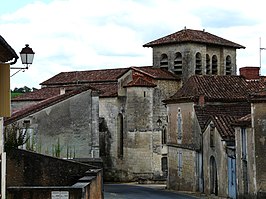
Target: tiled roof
pixel 197 36
pixel 24 112
pixel 75 77
pixel 156 73
pixel 140 82
pixel 243 121
pixel 223 116
pixel 7 53
pixel 216 88
pixel 258 96
pixel 38 95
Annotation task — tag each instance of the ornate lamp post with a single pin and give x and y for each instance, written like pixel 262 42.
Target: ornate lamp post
pixel 26 56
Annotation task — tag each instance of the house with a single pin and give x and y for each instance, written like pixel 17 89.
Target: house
pixel 64 126
pixel 133 121
pixel 201 138
pixel 250 152
pixel 7 57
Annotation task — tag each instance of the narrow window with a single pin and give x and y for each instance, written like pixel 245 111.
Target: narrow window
pixel 144 93
pixel 179 126
pixel 228 66
pixel 164 166
pixel 164 61
pixel 178 67
pixel 198 69
pixel 164 135
pixel 214 65
pixel 208 65
pixel 212 135
pixel 244 143
pixel 120 136
pixel 179 163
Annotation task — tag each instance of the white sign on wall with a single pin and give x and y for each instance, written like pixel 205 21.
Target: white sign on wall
pixel 60 195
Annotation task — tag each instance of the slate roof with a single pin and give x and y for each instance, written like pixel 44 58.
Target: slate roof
pixel 7 53
pixel 24 112
pixel 222 115
pixel 216 88
pixel 196 36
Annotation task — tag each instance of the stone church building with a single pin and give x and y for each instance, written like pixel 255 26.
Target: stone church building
pixel 134 122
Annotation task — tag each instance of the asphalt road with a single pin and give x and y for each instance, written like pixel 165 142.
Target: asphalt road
pixel 131 191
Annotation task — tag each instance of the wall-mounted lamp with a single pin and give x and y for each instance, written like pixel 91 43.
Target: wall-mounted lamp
pixel 26 56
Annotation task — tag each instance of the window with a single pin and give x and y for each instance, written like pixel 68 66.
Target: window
pixel 164 61
pixel 179 163
pixel 228 66
pixel 179 126
pixel 178 63
pixel 244 143
pixel 214 65
pixel 120 136
pixel 164 166
pixel 164 135
pixel 198 69
pixel 208 65
pixel 212 128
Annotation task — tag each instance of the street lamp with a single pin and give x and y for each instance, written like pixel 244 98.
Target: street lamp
pixel 26 56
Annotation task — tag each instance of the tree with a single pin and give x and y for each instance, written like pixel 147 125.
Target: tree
pixel 15 136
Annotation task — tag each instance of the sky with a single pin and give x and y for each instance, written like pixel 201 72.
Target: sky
pixel 76 35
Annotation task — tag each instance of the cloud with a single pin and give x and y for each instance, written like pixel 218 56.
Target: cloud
pixel 83 34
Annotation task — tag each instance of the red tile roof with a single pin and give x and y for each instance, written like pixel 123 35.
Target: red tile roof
pixel 106 89
pixel 223 116
pixel 197 36
pixel 216 88
pixel 77 77
pixel 140 82
pixel 156 73
pixel 243 121
pixel 24 112
pixel 38 95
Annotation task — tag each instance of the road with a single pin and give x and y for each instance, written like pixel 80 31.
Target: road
pixel 133 191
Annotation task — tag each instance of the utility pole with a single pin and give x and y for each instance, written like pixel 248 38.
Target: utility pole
pixel 260 53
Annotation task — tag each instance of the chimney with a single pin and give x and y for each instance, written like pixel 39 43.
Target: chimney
pixel 250 72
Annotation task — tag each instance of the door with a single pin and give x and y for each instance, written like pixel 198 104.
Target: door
pixel 232 177
pixel 213 177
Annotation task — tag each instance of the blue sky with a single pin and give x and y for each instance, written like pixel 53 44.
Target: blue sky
pixel 69 35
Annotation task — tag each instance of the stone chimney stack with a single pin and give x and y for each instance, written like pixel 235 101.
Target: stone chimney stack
pixel 250 72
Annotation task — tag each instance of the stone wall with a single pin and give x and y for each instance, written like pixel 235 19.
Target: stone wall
pixel 68 129
pixel 36 176
pixel 218 152
pixel 181 177
pixel 188 51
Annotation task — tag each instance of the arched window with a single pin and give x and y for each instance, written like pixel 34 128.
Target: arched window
pixel 164 61
pixel 198 69
pixel 228 65
pixel 208 65
pixel 178 63
pixel 214 65
pixel 120 136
